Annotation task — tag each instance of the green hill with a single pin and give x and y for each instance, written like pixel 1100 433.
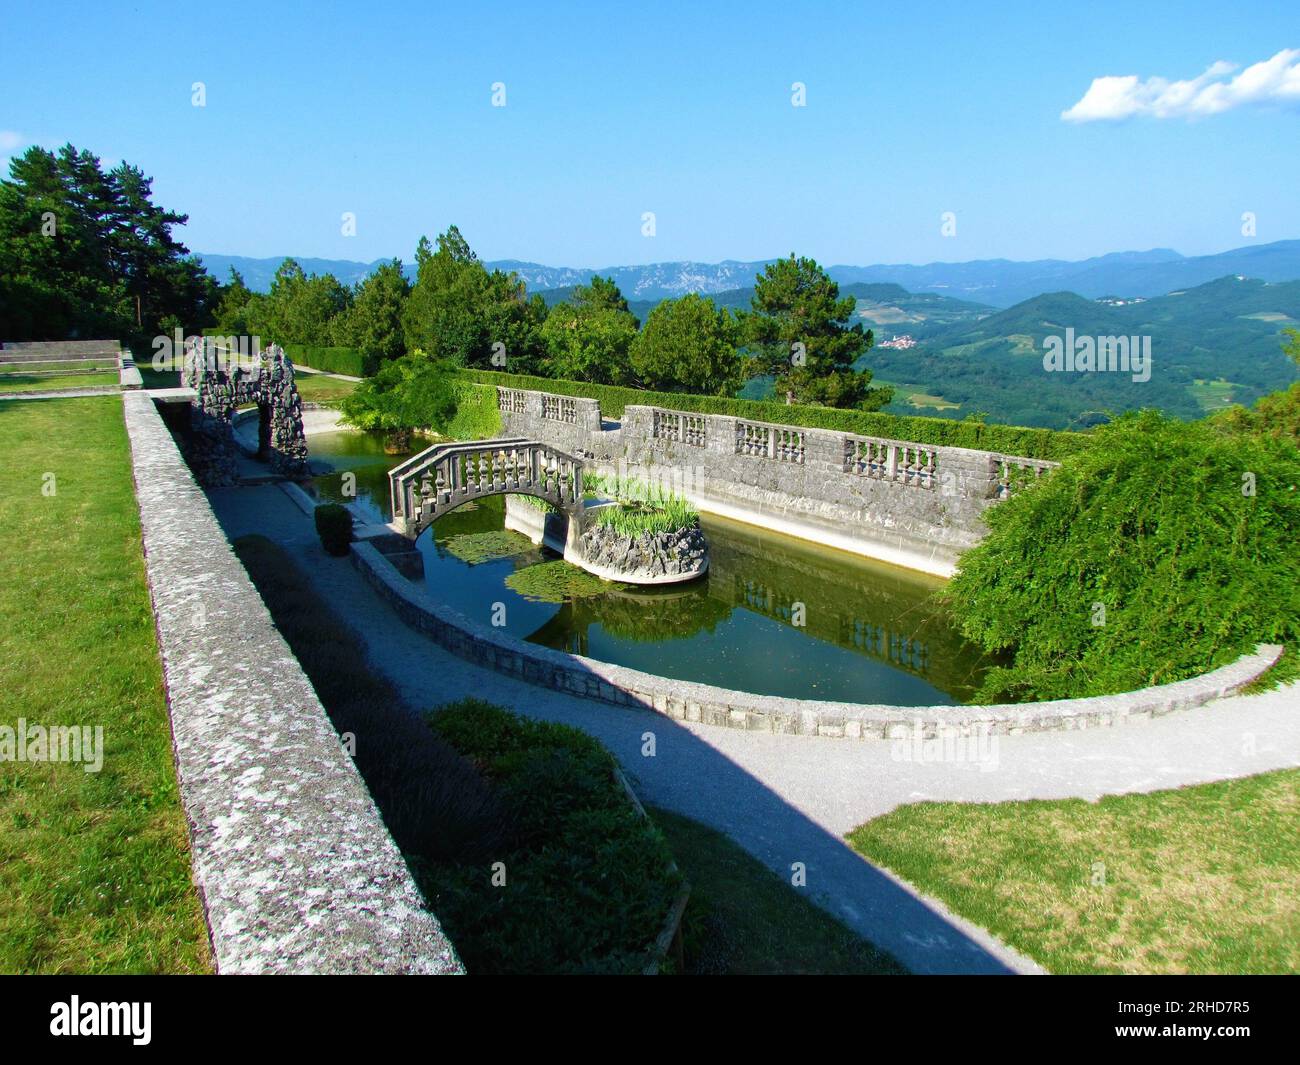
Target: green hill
pixel 1211 345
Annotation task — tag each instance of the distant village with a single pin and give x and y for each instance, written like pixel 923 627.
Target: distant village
pixel 903 340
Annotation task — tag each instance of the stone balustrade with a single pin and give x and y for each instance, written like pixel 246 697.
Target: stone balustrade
pixel 919 505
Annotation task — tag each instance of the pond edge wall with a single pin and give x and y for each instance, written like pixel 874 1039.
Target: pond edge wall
pixel 296 869
pixel 910 504
pixel 690 701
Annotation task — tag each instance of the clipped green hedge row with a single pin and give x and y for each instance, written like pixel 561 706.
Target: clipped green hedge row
pixel 331 360
pixel 1007 439
pixel 477 416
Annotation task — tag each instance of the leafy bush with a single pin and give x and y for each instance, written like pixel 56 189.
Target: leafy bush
pixel 477 416
pixel 588 881
pixel 347 361
pixel 1004 439
pixel 412 392
pixel 1277 414
pixel 1141 561
pixel 334 527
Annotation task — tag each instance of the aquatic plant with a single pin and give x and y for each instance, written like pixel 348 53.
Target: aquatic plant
pixel 556 582
pixel 487 546
pixel 643 508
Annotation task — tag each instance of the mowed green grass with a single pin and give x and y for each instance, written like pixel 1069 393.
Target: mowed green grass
pixel 94 867
pixel 743 919
pixel 67 366
pixel 318 388
pixel 1203 879
pixel 34 382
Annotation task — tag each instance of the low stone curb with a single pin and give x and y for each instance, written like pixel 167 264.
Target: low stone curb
pixel 295 867
pixel 690 701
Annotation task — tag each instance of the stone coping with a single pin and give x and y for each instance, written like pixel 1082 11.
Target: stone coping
pixel 294 865
pixel 128 375
pixel 691 701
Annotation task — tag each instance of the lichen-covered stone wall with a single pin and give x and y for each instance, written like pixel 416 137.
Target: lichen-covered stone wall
pixel 295 867
pixel 220 386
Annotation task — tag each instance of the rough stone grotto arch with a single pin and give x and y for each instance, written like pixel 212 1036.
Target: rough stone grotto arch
pixel 220 385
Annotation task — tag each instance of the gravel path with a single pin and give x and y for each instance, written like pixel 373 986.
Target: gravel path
pixel 790 799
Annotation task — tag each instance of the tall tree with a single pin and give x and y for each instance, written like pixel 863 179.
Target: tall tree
pixel 86 252
pixel 300 308
pixel 234 304
pixel 457 311
pixel 373 324
pixel 798 332
pixel 589 339
pixel 688 345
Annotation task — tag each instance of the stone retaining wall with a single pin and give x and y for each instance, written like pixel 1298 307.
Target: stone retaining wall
pixel 295 867
pixel 689 701
pixel 917 505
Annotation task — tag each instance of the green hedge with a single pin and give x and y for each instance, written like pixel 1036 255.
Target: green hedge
pixel 331 360
pixel 477 416
pixel 1007 439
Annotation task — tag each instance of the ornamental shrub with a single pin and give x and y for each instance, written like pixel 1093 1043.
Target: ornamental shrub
pixel 1165 550
pixel 334 526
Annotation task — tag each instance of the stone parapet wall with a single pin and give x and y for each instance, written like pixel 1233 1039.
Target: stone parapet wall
pixel 919 505
pixel 689 701
pixel 295 867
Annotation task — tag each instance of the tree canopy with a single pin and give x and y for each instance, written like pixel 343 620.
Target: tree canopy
pixel 1164 550
pixel 589 339
pixel 688 345
pixel 459 312
pixel 797 331
pixel 86 252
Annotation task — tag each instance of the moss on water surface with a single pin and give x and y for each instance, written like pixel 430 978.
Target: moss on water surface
pixel 487 546
pixel 557 582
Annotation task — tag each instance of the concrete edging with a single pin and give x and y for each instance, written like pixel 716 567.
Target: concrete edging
pixel 690 701
pixel 295 867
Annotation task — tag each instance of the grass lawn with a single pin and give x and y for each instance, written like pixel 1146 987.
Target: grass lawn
pixel 1203 879
pixel 31 382
pixel 94 867
pixel 317 388
pixel 77 366
pixel 158 378
pixel 743 919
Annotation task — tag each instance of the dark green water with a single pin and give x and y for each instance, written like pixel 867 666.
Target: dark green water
pixel 871 631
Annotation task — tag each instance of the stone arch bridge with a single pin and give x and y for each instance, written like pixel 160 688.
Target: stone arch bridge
pixel 441 478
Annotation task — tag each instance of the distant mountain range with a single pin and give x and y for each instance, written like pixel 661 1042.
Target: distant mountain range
pixel 994 282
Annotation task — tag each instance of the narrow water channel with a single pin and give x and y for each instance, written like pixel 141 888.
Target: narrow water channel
pixel 774 615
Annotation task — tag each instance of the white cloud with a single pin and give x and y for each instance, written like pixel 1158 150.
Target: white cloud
pixel 1275 80
pixel 10 139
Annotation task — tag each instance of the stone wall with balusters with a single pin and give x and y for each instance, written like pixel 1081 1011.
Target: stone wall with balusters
pixel 919 505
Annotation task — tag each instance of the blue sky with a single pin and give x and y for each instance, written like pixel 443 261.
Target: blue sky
pixel 616 109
